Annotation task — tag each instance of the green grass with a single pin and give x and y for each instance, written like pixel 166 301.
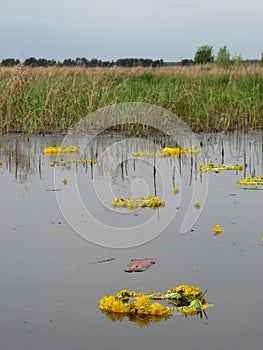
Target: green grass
pixel 52 100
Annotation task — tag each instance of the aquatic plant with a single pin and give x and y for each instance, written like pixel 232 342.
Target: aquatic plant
pixel 219 167
pixel 102 261
pixel 252 181
pixel 140 202
pixel 184 299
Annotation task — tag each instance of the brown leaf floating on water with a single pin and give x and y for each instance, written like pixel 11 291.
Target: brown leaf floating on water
pixel 139 264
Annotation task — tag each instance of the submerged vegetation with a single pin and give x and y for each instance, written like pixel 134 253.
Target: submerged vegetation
pixel 208 98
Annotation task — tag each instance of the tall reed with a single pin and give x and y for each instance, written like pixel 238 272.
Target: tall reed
pixel 52 100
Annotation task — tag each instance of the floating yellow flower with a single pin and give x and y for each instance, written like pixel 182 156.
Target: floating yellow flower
pixel 142 305
pixel 177 151
pixel 68 161
pixel 252 181
pixel 186 290
pixel 140 202
pixel 197 204
pixel 160 310
pixel 142 154
pixel 51 151
pixel 176 190
pixel 111 304
pixel 219 167
pixel 1 163
pixel 65 181
pixel 217 230
pixel 188 300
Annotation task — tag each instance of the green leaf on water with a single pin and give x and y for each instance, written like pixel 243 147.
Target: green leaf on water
pixel 102 261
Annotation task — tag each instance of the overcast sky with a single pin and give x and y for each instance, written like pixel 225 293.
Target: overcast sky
pixel 112 29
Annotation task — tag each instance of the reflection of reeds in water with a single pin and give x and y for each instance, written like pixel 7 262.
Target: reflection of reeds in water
pixel 19 160
pixel 23 156
pixel 236 148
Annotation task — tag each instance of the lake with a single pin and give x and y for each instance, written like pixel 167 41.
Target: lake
pixel 57 222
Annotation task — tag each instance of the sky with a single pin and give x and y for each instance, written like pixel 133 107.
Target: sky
pixel 112 29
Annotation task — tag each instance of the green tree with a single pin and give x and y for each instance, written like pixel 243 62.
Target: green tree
pixel 10 62
pixel 261 61
pixel 223 57
pixel 204 54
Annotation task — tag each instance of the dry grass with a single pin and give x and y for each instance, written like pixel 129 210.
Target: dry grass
pixel 97 73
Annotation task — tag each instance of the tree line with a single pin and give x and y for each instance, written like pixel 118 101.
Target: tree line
pixel 83 62
pixel 204 54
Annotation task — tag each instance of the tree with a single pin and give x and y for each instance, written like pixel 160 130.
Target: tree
pixel 223 57
pixel 31 61
pixel 10 62
pixel 204 54
pixel 69 62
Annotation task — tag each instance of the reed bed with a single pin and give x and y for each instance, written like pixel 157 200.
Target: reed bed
pixel 207 98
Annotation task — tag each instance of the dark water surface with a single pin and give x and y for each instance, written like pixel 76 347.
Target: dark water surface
pixel 49 290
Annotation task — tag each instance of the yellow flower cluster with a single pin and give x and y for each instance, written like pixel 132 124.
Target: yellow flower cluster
pixel 69 161
pixel 217 230
pixel 124 294
pixel 142 154
pixel 52 151
pixel 252 181
pixel 112 304
pixel 219 167
pixel 141 306
pixel 140 202
pixel 177 151
pixel 186 290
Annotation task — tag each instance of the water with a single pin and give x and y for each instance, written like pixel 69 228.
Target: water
pixel 50 291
